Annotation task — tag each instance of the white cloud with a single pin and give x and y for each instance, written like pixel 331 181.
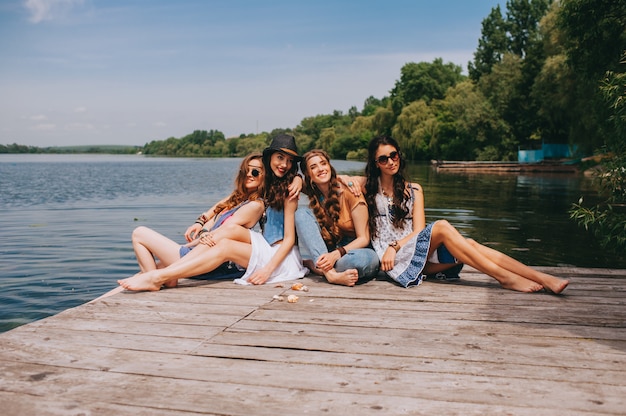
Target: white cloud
pixel 41 10
pixel 80 110
pixel 160 124
pixel 38 117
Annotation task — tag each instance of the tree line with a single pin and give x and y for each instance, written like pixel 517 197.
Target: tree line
pixel 537 76
pixel 543 72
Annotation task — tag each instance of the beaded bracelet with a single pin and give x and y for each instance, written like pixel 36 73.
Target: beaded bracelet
pixel 202 219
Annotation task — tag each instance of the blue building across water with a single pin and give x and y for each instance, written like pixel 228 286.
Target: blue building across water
pixel 547 151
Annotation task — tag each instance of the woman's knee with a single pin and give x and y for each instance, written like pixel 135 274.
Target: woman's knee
pixel 140 233
pixel 443 227
pixel 364 260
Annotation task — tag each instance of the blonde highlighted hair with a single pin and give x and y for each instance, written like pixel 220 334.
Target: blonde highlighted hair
pixel 326 210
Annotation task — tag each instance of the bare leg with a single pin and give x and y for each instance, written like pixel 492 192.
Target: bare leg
pixel 444 233
pixel 201 259
pixel 551 283
pixel 149 244
pixel 232 232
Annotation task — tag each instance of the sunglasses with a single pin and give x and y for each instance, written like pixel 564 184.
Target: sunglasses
pixel 382 160
pixel 254 172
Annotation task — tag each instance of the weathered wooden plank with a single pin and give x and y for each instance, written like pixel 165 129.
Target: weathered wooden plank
pixel 218 348
pixel 212 355
pixel 177 394
pixel 502 391
pixel 495 390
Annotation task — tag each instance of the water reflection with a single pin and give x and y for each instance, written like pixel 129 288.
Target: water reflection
pixel 525 216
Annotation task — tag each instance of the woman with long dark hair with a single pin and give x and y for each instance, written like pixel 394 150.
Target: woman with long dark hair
pixel 406 245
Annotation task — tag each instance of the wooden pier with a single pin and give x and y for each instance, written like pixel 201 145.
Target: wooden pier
pixel 544 167
pixel 466 348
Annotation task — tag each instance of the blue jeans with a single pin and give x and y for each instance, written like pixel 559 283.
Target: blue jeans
pixel 312 246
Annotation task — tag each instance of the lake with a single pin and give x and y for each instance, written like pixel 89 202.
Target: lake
pixel 66 219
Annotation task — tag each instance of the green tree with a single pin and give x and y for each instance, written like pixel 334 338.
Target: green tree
pixel 326 139
pixel 383 120
pixel 522 22
pixel 607 220
pixel 492 45
pixel 471 128
pixel 371 104
pixel 595 35
pixel 423 81
pixel 411 130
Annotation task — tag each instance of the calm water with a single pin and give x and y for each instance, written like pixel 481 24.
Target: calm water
pixel 66 219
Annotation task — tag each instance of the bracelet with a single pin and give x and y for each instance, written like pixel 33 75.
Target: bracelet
pixel 395 245
pixel 202 219
pixel 341 251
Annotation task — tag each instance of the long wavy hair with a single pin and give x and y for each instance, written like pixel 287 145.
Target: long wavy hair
pixel 276 189
pixel 241 193
pixel 399 207
pixel 326 210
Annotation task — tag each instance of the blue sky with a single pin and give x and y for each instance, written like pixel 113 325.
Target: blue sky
pixel 128 72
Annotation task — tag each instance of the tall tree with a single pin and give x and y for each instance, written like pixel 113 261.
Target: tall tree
pixel 522 22
pixel 595 35
pixel 492 45
pixel 423 81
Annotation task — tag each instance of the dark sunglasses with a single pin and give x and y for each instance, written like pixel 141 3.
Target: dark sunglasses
pixel 255 172
pixel 385 158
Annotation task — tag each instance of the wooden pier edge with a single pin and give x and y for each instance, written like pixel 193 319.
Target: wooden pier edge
pixel 213 347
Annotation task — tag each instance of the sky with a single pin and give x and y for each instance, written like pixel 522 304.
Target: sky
pixel 98 72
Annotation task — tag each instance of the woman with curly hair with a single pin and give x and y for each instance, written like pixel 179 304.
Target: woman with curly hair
pixel 333 232
pixel 407 247
pixel 268 257
pixel 244 206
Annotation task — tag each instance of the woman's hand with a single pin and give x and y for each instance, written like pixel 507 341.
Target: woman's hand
pixel 192 232
pixel 193 243
pixel 353 184
pixel 327 261
pixel 388 260
pixel 260 276
pixel 294 188
pixel 207 239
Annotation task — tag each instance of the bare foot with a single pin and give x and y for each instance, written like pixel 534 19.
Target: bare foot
pixel 140 281
pixel 171 284
pixel 311 266
pixel 522 285
pixel 556 285
pixel 346 278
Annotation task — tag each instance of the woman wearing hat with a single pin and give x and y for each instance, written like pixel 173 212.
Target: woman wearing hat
pixel 268 257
